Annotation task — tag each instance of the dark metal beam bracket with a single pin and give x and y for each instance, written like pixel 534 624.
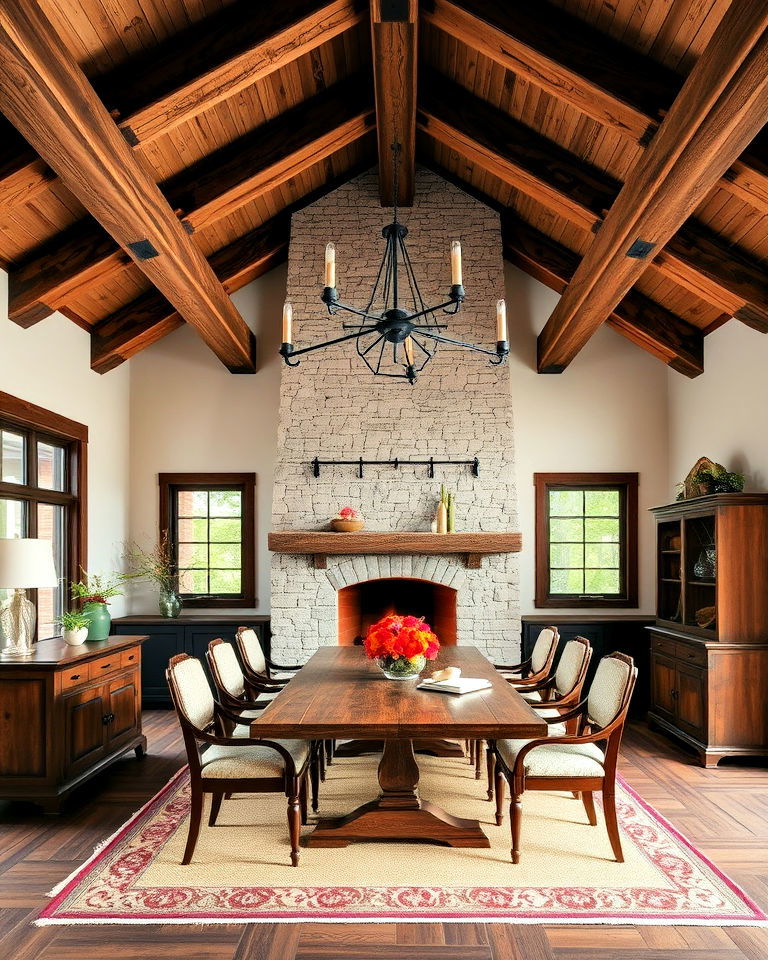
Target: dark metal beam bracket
pixel 431 463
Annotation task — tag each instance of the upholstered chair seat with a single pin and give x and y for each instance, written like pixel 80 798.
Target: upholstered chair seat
pixel 555 759
pixel 248 761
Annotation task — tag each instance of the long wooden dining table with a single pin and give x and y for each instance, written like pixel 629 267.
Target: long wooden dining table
pixel 339 694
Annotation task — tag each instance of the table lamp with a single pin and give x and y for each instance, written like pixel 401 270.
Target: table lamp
pixel 24 564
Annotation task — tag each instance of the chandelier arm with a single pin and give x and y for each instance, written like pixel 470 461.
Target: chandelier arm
pixel 370 346
pixel 459 343
pixel 328 343
pixel 381 354
pixel 439 306
pixel 357 313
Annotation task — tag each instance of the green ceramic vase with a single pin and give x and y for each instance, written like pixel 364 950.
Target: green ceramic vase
pixel 100 621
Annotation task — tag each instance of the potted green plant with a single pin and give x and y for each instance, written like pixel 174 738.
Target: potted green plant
pixel 74 627
pixel 157 565
pixel 729 482
pixel 93 593
pixel 705 483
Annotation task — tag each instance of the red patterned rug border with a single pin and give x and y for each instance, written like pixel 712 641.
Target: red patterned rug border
pixel 49 915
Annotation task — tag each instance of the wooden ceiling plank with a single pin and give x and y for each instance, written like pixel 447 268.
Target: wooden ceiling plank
pixel 150 317
pixel 606 80
pixel 719 110
pixel 696 258
pixel 394 28
pixel 147 319
pixel 194 70
pixel 209 190
pixel 49 100
pixel 643 321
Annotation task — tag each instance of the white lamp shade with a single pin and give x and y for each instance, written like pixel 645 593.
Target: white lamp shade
pixel 27 563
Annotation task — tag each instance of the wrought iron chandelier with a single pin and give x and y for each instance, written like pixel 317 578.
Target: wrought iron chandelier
pixel 397 333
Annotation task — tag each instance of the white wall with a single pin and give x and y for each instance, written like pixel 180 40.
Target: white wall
pixel 188 413
pixel 606 412
pixel 723 414
pixel 49 365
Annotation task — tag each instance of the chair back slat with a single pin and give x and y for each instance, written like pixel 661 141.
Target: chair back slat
pixel 572 666
pixel 225 669
pixel 250 650
pixel 610 690
pixel 544 649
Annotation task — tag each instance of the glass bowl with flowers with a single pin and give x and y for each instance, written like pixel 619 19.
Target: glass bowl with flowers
pixel 401 646
pixel 347 520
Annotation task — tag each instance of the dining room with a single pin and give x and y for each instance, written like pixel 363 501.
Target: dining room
pixel 383 551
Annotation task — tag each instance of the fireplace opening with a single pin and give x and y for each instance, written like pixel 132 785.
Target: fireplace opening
pixel 362 604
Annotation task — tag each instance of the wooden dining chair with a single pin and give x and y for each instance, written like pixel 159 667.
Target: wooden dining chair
pixel 538 666
pixel 259 669
pixel 247 700
pixel 222 765
pixel 581 762
pixel 257 666
pixel 564 689
pixel 527 673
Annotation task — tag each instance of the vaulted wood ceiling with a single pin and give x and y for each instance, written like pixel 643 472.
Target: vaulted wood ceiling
pixel 154 150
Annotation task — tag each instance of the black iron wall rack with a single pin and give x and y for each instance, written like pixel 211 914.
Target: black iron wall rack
pixel 431 463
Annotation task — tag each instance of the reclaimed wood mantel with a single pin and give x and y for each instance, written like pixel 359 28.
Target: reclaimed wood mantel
pixel 324 543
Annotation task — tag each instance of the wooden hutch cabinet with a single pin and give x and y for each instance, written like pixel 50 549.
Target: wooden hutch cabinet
pixel 66 713
pixel 709 647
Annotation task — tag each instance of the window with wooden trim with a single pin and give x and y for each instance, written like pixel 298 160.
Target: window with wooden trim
pixel 210 522
pixel 42 494
pixel 586 539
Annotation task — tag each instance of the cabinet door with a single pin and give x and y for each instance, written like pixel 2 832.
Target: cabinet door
pixel 85 728
pixel 164 642
pixel 663 685
pixel 691 700
pixel 123 707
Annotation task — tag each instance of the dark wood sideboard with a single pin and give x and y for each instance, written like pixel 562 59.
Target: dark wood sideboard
pixel 65 714
pixel 607 633
pixel 185 634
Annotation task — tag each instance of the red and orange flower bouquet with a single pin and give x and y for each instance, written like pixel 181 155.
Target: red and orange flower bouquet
pixel 401 645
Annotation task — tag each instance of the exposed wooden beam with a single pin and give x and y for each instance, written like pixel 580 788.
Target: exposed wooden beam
pixel 394 26
pixel 675 341
pixel 49 100
pixel 194 70
pixel 211 189
pixel 721 108
pixel 604 79
pixel 695 257
pixel 150 317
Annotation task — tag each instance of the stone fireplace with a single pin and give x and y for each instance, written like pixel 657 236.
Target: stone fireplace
pixel 332 407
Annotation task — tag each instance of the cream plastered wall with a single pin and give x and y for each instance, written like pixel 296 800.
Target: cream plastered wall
pixel 723 414
pixel 607 411
pixel 189 414
pixel 48 365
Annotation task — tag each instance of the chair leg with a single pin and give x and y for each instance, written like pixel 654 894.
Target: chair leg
pixel 228 796
pixel 500 790
pixel 294 820
pixel 589 805
pixel 471 752
pixel 215 807
pixel 609 811
pixel 314 778
pixel 321 762
pixel 195 817
pixel 303 798
pixel 329 747
pixel 575 794
pixel 516 815
pixel 490 763
pixel 478 758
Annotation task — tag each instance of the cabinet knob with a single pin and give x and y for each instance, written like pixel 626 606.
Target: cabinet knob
pixel 74 676
pixel 106 666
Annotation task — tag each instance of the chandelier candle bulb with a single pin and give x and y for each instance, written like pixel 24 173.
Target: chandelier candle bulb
pixel 408 345
pixel 330 264
pixel 456 278
pixel 287 323
pixel 501 321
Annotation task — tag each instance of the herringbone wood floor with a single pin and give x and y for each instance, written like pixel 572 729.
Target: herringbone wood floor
pixel 724 811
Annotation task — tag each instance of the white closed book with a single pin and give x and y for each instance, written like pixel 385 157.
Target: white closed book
pixel 459 685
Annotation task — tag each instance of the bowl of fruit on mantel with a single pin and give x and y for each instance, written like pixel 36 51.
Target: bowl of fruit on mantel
pixel 347 520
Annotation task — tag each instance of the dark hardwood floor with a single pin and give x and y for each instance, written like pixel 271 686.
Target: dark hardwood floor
pixel 723 811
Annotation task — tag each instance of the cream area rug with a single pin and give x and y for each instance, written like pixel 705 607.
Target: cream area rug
pixel 241 873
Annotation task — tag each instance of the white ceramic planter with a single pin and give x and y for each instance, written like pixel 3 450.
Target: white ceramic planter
pixel 75 637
